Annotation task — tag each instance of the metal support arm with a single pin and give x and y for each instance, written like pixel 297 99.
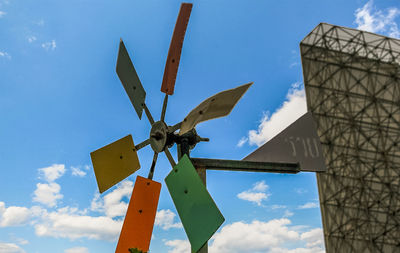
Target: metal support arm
pixel 235 165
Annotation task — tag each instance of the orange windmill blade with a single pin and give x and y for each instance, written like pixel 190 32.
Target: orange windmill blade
pixel 175 49
pixel 139 220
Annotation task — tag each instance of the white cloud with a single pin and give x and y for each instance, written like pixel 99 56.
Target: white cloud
pixel 77 171
pixel 314 237
pixel 51 45
pixel 165 219
pixel 260 186
pixel 242 141
pixel 112 204
pixel 97 204
pixel 288 213
pixel 298 250
pixel 179 246
pixel 258 236
pixel 292 108
pixel 40 22
pixel 52 172
pixel 256 197
pixel 65 222
pixel 5 55
pixel 368 18
pixel 308 205
pixel 254 237
pixel 47 194
pixel 77 250
pixel 278 207
pixel 10 248
pixel 2 14
pixel 13 215
pixel 272 236
pixel 22 241
pixel 69 223
pixel 31 39
pixel 300 190
pixel 74 224
pixel 256 194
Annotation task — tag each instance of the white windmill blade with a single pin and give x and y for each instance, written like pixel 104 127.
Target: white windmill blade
pixel 219 105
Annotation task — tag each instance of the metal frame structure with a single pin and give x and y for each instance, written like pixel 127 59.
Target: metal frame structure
pixel 352 82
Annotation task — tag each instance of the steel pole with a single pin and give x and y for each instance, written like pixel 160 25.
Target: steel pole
pixel 184 148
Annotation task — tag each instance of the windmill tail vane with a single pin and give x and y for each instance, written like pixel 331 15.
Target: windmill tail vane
pixel 116 161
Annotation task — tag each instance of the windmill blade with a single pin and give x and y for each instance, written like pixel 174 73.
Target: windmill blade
pixel 198 212
pixel 219 105
pixel 130 80
pixel 298 143
pixel 175 49
pixel 114 162
pixel 140 216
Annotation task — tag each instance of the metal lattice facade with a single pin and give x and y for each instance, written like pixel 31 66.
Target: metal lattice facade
pixel 352 82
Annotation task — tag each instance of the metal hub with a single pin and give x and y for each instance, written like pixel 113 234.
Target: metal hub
pixel 158 136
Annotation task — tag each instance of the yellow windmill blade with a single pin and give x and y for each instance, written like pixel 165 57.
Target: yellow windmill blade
pixel 114 162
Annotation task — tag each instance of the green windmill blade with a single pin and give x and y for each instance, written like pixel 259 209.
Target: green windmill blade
pixel 198 212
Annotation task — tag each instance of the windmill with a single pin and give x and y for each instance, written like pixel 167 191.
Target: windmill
pixel 198 212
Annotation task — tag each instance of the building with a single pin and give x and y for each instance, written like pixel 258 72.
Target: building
pixel 352 82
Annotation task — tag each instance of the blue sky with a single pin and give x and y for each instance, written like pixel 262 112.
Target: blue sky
pixel 60 99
